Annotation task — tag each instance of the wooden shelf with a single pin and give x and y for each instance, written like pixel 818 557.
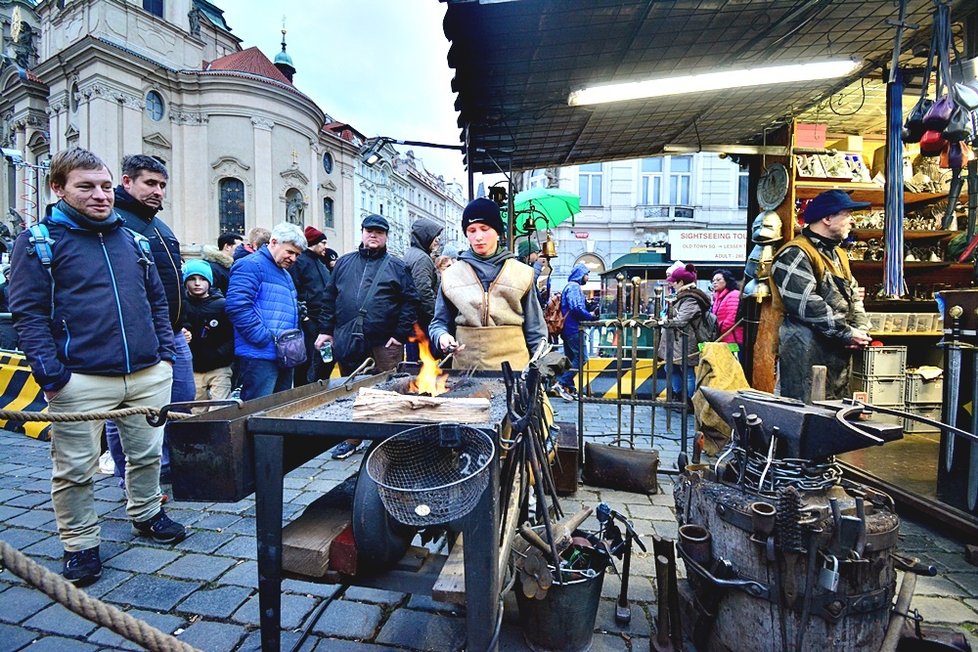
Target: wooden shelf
pixel 899 305
pixel 866 234
pixel 874 264
pixel 862 192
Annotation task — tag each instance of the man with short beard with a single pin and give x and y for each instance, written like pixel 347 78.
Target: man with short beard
pixel 138 201
pixel 95 328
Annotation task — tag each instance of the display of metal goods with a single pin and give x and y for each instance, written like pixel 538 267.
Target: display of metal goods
pixel 880 361
pixel 880 390
pixel 781 552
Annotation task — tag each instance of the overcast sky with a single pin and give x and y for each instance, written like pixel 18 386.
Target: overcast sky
pixel 379 65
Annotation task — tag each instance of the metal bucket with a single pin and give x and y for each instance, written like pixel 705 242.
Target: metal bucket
pixel 564 620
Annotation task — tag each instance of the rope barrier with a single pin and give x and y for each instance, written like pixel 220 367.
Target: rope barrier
pixel 68 417
pixel 62 591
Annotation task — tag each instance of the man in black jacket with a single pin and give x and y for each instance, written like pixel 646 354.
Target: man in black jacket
pixel 221 258
pixel 138 199
pixel 387 317
pixel 310 276
pixel 92 317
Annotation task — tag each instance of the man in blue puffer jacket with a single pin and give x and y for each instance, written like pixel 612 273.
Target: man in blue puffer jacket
pixel 262 303
pixel 94 324
pixel 573 305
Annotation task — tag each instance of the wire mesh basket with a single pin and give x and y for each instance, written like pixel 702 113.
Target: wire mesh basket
pixel 431 474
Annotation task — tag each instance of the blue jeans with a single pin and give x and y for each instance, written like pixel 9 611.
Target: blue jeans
pixel 677 381
pixel 262 377
pixel 578 357
pixel 183 389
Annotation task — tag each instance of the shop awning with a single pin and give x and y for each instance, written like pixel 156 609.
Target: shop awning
pixel 516 61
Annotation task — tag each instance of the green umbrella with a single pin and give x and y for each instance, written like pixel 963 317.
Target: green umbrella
pixel 544 208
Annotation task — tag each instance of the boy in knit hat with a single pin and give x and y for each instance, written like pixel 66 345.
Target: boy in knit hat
pixel 212 344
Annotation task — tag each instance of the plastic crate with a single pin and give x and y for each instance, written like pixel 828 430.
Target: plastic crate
pixel 880 390
pixel 875 361
pixel 923 391
pixel 931 411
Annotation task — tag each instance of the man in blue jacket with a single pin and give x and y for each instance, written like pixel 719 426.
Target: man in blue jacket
pixel 262 303
pixel 574 306
pixel 92 317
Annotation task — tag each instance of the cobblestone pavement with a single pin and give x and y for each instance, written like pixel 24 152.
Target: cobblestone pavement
pixel 204 590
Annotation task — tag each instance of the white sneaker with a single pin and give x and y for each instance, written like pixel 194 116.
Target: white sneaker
pixel 564 393
pixel 106 464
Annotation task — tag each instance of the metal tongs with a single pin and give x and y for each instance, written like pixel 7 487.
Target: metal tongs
pixel 452 350
pixel 365 366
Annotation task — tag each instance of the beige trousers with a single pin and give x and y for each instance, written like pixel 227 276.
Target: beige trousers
pixel 75 449
pixel 212 385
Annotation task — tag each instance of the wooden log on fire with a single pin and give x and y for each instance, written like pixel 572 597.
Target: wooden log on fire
pixel 379 405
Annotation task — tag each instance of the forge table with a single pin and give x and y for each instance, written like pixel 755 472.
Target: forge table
pixel 226 454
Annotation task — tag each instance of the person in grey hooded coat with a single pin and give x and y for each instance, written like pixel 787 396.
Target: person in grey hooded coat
pixel 424 241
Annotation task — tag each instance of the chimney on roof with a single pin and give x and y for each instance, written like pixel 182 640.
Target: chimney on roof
pixel 283 61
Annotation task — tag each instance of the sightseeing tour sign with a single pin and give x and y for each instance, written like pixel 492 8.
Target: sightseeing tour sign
pixel 708 245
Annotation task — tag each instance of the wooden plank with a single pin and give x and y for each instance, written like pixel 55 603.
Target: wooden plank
pixel 379 405
pixel 307 540
pixel 450 585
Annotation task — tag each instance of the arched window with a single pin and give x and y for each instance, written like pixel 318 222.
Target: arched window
pixel 231 205
pixel 154 106
pixel 294 207
pixel 328 213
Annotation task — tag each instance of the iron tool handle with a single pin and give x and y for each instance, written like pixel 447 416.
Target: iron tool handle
pixel 913 565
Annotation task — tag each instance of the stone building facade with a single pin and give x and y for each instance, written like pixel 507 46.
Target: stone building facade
pixel 244 146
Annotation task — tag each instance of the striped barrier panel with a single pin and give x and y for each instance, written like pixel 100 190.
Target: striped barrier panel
pixel 605 378
pixel 21 392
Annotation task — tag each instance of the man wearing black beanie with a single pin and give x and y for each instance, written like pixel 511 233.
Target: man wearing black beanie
pixel 484 211
pixel 486 308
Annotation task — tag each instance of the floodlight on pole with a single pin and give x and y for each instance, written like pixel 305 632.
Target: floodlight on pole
pixel 370 152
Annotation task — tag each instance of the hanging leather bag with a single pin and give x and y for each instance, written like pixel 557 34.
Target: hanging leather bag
pixel 959 126
pixel 967 96
pixel 939 114
pixel 913 126
pixel 932 143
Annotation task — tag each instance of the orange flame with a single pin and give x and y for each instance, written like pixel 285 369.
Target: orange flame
pixel 430 380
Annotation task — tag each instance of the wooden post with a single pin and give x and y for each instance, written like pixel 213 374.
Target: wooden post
pixel 764 371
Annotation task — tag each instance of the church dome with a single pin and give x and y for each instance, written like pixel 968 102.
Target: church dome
pixel 283 58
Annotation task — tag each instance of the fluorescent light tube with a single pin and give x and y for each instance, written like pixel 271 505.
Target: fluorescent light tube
pixel 711 81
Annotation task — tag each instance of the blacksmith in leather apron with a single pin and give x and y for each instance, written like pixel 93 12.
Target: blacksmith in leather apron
pixel 487 301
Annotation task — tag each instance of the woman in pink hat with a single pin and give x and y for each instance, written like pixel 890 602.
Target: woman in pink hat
pixel 685 311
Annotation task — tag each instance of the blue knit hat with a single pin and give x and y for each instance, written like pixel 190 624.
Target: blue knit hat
pixel 197 268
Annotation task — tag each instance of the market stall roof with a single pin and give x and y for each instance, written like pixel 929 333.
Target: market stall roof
pixel 516 61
